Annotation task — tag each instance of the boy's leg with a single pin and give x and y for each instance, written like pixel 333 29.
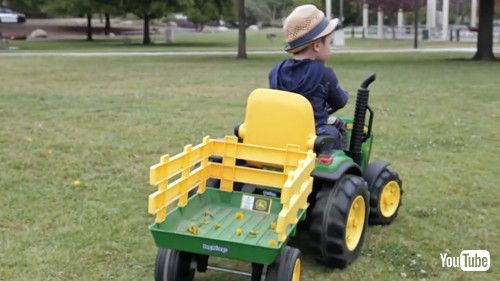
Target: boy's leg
pixel 334 132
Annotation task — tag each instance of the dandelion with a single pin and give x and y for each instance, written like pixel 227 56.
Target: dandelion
pixel 273 225
pixel 193 229
pixel 239 231
pixel 240 215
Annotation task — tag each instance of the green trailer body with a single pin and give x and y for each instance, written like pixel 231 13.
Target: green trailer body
pixel 218 216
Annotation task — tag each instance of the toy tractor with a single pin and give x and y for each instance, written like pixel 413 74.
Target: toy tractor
pixel 242 197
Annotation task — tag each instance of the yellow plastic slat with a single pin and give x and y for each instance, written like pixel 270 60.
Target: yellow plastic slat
pixel 288 215
pixel 159 172
pixel 294 194
pixel 245 174
pixel 161 199
pixel 296 177
pixel 256 153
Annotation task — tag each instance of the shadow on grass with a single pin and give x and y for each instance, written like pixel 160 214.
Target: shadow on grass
pixel 472 60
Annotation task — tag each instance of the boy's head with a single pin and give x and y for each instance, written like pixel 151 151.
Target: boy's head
pixel 308 32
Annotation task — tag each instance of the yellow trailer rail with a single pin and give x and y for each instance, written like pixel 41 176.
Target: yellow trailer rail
pixel 176 176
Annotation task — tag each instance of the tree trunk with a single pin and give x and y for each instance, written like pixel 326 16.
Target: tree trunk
pixel 415 24
pixel 485 31
pixel 393 26
pixel 89 26
pixel 107 26
pixel 242 36
pixel 146 40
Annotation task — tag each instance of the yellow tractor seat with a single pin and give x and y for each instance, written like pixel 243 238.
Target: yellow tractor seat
pixel 277 118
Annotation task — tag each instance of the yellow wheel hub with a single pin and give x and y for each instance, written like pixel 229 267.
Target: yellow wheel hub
pixel 296 270
pixel 389 199
pixel 355 223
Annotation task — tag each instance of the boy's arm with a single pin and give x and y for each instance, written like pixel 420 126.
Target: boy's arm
pixel 336 97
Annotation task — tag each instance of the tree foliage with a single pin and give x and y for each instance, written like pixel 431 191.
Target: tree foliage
pixel 28 7
pixel 70 7
pixel 110 6
pixel 204 11
pixel 318 3
pixel 267 12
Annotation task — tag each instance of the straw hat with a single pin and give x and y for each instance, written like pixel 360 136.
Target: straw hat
pixel 305 24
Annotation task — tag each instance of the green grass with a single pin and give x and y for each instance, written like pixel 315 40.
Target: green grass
pixel 104 121
pixel 210 41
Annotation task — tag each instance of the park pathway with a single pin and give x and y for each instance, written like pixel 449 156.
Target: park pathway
pixel 15 53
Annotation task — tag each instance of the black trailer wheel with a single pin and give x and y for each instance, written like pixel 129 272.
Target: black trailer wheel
pixel 172 265
pixel 286 267
pixel 386 191
pixel 338 221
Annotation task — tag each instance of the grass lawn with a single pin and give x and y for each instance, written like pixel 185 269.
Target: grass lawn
pixel 193 41
pixel 103 121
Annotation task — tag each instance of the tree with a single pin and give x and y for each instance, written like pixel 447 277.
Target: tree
pixel 485 31
pixel 416 7
pixel 242 36
pixel 74 7
pixel 148 10
pixel 201 12
pixel 109 7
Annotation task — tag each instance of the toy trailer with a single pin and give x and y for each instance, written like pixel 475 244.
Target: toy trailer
pixel 195 221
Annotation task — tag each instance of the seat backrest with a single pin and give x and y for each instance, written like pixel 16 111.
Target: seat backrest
pixel 277 118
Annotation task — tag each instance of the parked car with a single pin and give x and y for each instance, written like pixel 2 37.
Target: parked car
pixel 9 16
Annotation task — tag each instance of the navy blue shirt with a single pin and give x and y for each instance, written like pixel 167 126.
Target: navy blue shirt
pixel 313 80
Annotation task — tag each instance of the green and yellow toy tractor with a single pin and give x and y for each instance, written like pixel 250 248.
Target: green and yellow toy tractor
pixel 242 197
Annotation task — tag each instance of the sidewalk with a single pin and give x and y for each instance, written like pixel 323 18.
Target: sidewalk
pixel 228 53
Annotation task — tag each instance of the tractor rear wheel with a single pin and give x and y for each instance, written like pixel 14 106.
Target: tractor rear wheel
pixel 338 221
pixel 172 265
pixel 286 267
pixel 386 190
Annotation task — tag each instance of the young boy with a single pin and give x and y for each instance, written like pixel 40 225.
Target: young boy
pixel 308 36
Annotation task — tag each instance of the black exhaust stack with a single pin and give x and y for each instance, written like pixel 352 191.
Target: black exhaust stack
pixel 357 136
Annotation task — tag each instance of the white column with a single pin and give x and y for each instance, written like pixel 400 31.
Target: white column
pixel 338 35
pixel 365 19
pixel 431 14
pixel 380 24
pixel 473 13
pixel 328 9
pixel 446 6
pixel 400 18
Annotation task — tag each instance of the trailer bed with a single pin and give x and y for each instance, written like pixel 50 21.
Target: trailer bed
pixel 224 224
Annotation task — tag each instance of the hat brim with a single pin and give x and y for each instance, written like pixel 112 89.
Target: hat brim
pixel 330 28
